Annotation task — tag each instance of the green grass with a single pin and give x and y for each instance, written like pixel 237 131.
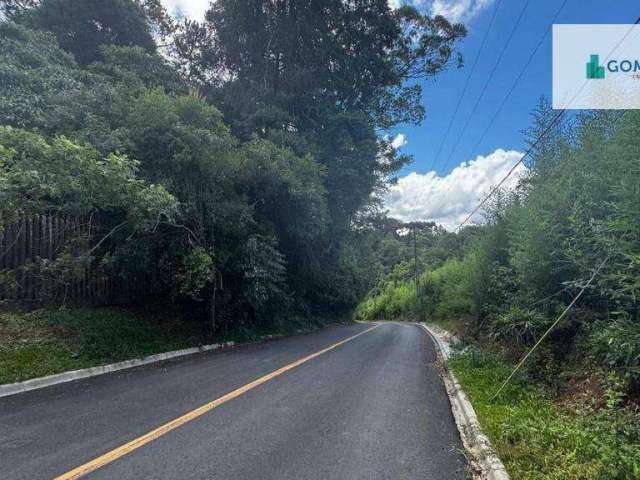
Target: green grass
pixel 51 341
pixel 539 440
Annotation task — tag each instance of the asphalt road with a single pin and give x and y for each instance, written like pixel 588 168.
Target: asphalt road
pixel 371 408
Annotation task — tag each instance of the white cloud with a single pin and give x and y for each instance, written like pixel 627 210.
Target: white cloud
pixel 459 10
pixel 400 140
pixel 454 10
pixel 192 9
pixel 195 9
pixel 448 200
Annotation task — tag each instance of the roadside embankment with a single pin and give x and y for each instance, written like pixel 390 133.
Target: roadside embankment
pixel 585 433
pixel 52 341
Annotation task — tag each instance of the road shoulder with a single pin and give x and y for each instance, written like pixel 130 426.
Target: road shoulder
pixel 15 388
pixel 483 460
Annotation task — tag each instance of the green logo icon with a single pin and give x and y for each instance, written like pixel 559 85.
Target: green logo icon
pixel 594 70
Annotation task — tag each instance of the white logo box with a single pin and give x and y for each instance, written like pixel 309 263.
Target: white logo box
pixel 618 50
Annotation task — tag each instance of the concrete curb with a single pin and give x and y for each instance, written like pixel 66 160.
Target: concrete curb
pixel 483 459
pixel 64 377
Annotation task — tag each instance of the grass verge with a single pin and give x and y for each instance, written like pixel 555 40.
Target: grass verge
pixel 49 341
pixel 538 439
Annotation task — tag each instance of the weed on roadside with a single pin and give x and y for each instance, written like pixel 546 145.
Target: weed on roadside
pixel 539 440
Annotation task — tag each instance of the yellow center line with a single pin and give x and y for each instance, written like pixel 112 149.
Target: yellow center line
pixel 193 414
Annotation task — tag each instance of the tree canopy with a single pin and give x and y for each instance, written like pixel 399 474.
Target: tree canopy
pixel 254 147
pixel 81 26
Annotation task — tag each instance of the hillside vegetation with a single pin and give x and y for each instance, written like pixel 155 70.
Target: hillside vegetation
pixel 502 284
pixel 49 341
pixel 233 164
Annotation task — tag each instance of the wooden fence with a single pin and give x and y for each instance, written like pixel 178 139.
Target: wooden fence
pixel 28 245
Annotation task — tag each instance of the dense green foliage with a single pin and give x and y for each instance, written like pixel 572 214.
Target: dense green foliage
pixel 573 413
pixel 239 169
pixel 45 342
pixel 539 440
pixel 81 26
pixel 73 179
pixel 510 278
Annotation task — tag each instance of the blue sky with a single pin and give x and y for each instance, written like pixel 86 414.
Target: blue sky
pixel 441 93
pixel 448 193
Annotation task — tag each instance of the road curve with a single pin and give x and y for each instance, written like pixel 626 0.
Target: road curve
pixel 371 408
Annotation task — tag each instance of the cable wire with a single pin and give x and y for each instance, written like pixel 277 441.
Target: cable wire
pixel 434 161
pixel 562 315
pixel 517 80
pixel 489 78
pixel 538 302
pixel 516 165
pixel 551 124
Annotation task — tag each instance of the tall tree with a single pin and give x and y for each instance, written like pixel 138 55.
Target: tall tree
pixel 325 78
pixel 81 26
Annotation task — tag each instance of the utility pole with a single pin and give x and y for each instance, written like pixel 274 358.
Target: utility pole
pixel 413 228
pixel 415 259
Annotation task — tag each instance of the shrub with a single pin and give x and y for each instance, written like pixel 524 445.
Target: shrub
pixel 451 285
pixel 617 345
pixel 519 325
pixel 395 301
pixel 538 440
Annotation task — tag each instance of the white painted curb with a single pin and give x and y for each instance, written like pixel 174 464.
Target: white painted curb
pixel 42 382
pixel 483 458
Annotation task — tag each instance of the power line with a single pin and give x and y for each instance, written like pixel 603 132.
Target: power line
pixel 562 315
pixel 596 271
pixel 517 80
pixel 434 161
pixel 514 84
pixel 545 131
pixel 489 78
pixel 504 179
pixel 550 296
